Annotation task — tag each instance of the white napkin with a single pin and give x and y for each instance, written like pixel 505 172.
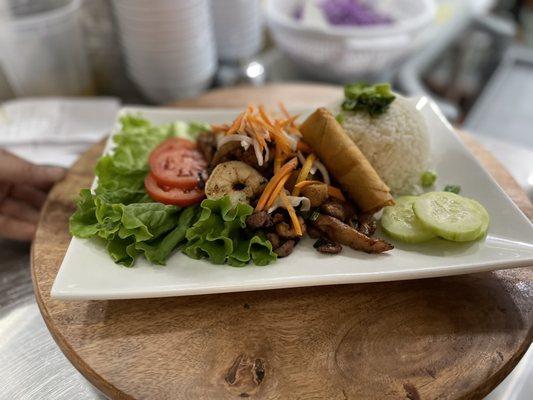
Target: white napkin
pixel 55 130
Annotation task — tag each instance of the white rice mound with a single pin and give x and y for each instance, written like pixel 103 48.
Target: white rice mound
pixel 396 143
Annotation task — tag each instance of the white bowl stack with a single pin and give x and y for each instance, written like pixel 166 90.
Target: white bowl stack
pixel 238 28
pixel 168 46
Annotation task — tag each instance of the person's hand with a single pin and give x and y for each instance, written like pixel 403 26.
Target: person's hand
pixel 23 190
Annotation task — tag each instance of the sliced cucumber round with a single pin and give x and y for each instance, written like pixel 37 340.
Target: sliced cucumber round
pixel 399 222
pixel 449 215
pixel 485 217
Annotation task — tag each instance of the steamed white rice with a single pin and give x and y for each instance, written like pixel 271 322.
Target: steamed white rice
pixel 396 143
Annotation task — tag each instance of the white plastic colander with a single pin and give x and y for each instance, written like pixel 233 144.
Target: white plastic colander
pixel 341 53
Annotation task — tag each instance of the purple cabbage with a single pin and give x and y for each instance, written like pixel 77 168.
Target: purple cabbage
pixel 352 12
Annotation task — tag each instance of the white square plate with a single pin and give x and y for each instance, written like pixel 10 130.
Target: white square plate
pixel 87 272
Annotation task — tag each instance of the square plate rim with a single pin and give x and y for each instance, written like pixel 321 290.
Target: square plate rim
pixel 456 269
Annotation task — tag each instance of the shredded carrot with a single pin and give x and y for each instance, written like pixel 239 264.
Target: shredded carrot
pixel 256 127
pixel 279 187
pixel 303 147
pixel 219 128
pixel 281 140
pixel 236 124
pixel 283 109
pixel 304 172
pixel 332 190
pixel 285 170
pixel 292 213
pixel 302 184
pixel 265 116
pixel 277 164
pixel 290 121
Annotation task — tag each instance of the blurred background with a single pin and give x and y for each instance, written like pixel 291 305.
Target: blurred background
pixel 66 66
pixel 474 57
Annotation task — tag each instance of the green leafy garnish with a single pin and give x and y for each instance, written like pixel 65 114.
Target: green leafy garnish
pixel 340 118
pixel 452 188
pixel 373 99
pixel 219 236
pixel 428 178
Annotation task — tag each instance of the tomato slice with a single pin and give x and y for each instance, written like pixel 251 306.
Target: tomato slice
pixel 172 195
pixel 177 163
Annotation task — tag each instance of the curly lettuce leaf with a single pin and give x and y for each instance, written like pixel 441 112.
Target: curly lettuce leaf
pixel 131 224
pixel 219 235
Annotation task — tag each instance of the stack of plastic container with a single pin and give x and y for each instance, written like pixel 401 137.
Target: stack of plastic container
pixel 238 28
pixel 41 47
pixel 168 46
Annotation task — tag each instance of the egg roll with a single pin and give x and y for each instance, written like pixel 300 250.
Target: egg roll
pixel 345 161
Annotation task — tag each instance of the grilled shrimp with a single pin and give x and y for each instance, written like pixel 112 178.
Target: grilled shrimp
pixel 235 179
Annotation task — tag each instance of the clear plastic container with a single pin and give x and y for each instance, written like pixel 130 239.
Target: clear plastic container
pixel 41 48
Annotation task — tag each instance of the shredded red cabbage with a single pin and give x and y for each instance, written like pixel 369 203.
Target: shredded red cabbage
pixel 352 12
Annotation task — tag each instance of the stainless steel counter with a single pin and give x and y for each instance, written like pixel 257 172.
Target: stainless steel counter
pixel 31 365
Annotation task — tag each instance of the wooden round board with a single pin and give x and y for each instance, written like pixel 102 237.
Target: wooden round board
pixel 446 338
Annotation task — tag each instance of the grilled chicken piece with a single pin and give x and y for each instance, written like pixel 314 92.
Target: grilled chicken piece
pixel 366 224
pixel 339 232
pixel 317 194
pixel 340 210
pixel 259 219
pixel 234 151
pixel 285 249
pixel 327 246
pixel 286 231
pixel 273 239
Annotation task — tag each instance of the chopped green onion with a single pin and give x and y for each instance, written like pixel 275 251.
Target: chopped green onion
pixel 428 178
pixel 314 216
pixel 452 188
pixel 340 118
pixel 374 99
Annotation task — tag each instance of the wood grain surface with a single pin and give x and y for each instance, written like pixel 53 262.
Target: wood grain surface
pixel 446 338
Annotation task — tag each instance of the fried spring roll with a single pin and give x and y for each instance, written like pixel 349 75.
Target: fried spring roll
pixel 345 161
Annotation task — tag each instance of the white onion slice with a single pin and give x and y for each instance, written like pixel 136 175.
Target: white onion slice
pixel 323 171
pixel 295 202
pixel 258 152
pixel 234 138
pixel 267 153
pixel 292 140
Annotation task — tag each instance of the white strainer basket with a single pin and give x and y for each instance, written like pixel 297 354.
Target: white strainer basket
pixel 342 54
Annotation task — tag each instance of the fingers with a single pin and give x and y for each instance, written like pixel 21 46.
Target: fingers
pixel 16 170
pixel 19 210
pixel 14 229
pixel 30 195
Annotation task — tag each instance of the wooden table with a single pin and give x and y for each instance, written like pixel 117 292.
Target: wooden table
pixel 446 338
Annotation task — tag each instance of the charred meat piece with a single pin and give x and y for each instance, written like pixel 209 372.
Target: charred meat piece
pixel 259 219
pixel 234 151
pixel 206 143
pixel 273 239
pixel 366 224
pixel 277 218
pixel 342 233
pixel 317 194
pixel 313 232
pixel 286 231
pixel 224 153
pixel 340 210
pixel 327 246
pixel 285 249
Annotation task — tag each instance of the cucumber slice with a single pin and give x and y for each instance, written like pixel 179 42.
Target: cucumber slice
pixel 449 215
pixel 486 219
pixel 399 222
